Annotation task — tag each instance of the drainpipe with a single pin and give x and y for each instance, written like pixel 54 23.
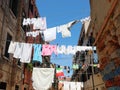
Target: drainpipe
pixel 106 20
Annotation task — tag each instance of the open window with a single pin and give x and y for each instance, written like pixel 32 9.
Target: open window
pixel 13 5
pixel 8 39
pixel 3 86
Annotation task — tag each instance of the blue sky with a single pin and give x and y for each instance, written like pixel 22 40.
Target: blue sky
pixel 59 12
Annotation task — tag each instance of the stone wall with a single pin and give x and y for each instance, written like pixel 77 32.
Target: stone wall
pixel 108 48
pixel 99 11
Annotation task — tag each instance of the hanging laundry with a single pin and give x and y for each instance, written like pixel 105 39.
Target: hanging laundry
pixel 29 21
pixel 42 78
pixel 73 86
pixel 75 66
pixel 37 52
pixel 64 30
pixel 12 47
pixel 50 34
pixel 61 67
pixel 95 57
pixel 79 85
pixel 66 85
pixel 26 21
pixel 53 49
pixel 59 72
pixel 40 23
pixel 71 49
pixel 48 49
pixel 86 25
pixel 26 53
pixel 83 48
pixel 18 50
pixel 67 69
pixel 85 19
pixel 70 24
pixel 61 49
pixel 33 33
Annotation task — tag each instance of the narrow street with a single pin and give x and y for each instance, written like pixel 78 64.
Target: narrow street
pixel 60 45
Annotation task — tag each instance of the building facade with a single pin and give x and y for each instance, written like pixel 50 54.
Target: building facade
pixel 105 20
pixel 87 72
pixel 13 73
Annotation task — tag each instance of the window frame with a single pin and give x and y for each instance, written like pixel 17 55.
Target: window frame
pixel 13 5
pixel 7 43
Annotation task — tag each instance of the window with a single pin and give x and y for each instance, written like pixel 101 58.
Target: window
pixel 9 38
pixel 89 71
pixel 96 70
pixel 91 40
pixel 26 1
pixel 31 6
pixel 96 88
pixel 16 87
pixel 3 86
pixel 13 5
pixel 109 0
pixel 23 16
pixel 103 88
pixel 19 63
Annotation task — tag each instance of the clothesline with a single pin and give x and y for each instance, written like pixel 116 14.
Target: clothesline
pixel 40 22
pixel 24 50
pixel 50 33
pixel 67 85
